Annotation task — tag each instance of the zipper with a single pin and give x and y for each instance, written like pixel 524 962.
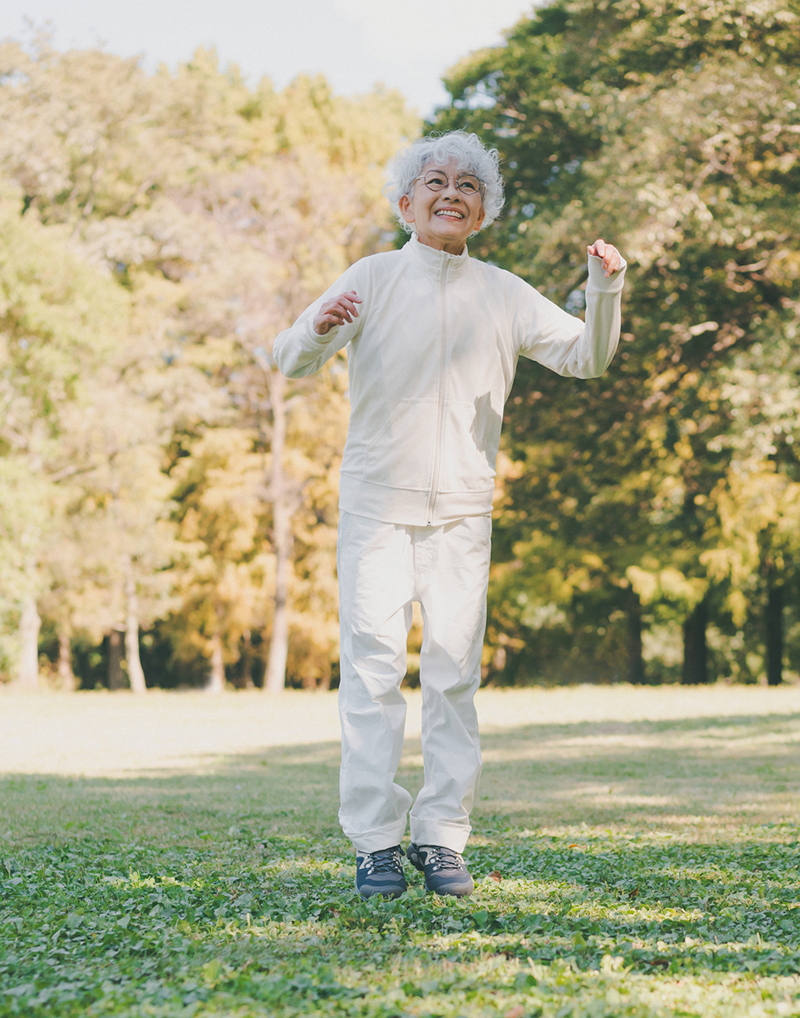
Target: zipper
pixel 437 455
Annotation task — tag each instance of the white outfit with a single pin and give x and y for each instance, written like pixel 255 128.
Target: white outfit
pixel 431 359
pixel 383 567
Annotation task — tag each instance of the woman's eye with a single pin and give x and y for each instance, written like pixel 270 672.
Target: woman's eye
pixel 468 185
pixel 436 179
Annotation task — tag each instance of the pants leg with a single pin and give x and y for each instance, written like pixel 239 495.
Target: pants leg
pixel 452 577
pixel 375 564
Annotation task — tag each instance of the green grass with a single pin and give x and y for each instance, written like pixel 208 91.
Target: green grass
pixel 640 867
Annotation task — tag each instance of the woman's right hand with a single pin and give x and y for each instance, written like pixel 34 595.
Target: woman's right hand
pixel 336 312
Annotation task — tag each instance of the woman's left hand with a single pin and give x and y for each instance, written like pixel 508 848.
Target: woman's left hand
pixel 611 257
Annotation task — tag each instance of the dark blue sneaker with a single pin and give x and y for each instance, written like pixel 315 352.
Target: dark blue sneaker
pixel 445 870
pixel 380 873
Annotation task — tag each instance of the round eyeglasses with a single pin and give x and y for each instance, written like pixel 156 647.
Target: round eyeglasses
pixel 467 183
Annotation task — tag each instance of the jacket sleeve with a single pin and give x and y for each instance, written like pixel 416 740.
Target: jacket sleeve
pixel 299 351
pixel 568 346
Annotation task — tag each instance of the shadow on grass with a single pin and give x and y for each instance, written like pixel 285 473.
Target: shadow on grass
pixel 699 771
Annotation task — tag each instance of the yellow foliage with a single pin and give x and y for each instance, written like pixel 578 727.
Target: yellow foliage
pixel 643 582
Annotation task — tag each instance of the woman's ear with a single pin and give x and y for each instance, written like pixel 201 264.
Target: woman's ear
pixel 405 209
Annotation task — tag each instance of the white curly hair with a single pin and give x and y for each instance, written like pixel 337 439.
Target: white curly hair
pixel 466 150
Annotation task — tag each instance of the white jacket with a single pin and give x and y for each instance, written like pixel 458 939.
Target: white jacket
pixel 431 358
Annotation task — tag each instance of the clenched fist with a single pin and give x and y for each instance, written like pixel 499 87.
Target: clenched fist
pixel 609 254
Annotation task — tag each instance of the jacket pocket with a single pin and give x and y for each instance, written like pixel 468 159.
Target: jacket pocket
pixel 401 454
pixel 470 437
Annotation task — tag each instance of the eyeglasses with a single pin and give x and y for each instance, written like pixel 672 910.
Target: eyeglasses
pixel 466 183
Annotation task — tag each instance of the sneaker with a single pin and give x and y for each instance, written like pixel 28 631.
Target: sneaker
pixel 380 873
pixel 445 870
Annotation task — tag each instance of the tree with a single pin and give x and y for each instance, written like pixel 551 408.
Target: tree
pixel 671 129
pixel 56 315
pixel 218 211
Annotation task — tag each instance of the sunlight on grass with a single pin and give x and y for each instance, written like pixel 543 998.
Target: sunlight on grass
pixel 639 865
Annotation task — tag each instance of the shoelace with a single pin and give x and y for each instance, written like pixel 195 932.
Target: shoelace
pixel 440 858
pixel 387 860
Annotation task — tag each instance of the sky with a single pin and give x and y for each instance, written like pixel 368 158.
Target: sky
pixel 406 45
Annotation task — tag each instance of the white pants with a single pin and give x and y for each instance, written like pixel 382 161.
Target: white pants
pixel 383 568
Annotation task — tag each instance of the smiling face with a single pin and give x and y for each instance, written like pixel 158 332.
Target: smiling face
pixel 443 219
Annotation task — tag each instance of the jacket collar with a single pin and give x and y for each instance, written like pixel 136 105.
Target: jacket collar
pixel 437 262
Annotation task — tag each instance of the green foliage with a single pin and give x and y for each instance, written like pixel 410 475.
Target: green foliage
pixel 671 131
pixel 160 229
pixel 59 320
pixel 214 212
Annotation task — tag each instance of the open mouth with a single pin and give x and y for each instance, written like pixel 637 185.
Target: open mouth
pixel 449 214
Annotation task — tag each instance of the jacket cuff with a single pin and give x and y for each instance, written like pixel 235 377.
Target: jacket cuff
pixel 315 338
pixel 597 278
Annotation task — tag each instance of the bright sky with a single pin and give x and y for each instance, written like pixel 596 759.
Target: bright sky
pixel 405 44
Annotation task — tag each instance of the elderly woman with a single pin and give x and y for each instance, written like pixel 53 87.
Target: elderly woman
pixel 433 338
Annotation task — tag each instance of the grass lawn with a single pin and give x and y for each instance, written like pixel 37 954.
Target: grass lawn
pixel 635 851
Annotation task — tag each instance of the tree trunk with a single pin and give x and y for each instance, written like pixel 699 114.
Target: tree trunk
pixel 66 676
pixel 695 648
pixel 275 676
pixel 216 678
pixel 246 662
pixel 116 676
pixel 774 626
pixel 135 671
pixel 29 625
pixel 635 658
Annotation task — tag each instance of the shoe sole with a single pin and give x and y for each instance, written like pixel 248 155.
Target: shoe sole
pixel 451 894
pixel 380 894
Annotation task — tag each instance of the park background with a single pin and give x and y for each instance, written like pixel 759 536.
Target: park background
pixel 168 500
pixel 168 513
